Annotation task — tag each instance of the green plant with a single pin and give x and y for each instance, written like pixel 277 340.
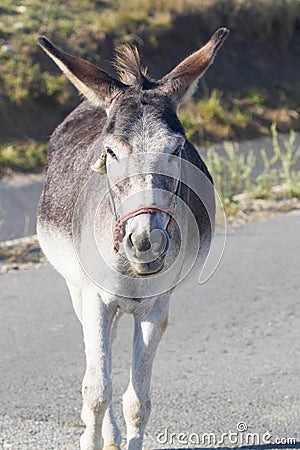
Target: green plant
pixel 233 171
pixel 212 116
pixel 278 168
pixel 26 78
pixel 289 154
pixel 262 185
pixel 255 96
pixel 211 107
pixel 295 184
pixel 23 157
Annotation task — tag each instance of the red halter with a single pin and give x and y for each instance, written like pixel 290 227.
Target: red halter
pixel 119 226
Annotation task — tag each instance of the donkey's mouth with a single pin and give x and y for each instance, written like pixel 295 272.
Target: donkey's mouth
pixel 146 269
pixel 146 255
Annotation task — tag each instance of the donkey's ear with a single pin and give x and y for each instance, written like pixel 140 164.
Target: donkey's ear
pixel 96 85
pixel 181 82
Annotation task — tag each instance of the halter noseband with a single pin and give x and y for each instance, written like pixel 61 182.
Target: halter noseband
pixel 118 235
pixel 119 226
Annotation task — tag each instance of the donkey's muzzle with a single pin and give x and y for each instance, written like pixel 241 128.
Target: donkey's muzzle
pixel 146 251
pixel 154 244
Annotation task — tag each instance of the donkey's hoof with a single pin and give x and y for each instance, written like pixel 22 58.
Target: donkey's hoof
pixel 111 446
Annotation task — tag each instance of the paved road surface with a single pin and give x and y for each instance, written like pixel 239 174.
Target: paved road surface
pixel 231 353
pixel 18 205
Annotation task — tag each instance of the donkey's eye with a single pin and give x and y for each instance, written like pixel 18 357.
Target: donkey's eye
pixel 111 153
pixel 177 150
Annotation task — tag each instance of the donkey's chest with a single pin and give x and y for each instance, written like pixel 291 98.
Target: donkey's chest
pixel 61 251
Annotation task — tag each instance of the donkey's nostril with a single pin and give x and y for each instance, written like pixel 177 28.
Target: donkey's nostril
pixel 140 241
pixel 130 240
pixel 158 241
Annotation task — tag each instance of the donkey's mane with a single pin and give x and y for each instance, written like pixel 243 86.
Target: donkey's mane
pixel 127 63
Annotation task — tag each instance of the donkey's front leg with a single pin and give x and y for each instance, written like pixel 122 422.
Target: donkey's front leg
pixel 97 319
pixel 110 430
pixel 148 331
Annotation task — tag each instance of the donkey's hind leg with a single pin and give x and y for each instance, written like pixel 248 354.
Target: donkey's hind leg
pixel 110 430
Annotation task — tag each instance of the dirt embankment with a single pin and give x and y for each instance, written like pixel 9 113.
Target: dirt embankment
pixel 261 55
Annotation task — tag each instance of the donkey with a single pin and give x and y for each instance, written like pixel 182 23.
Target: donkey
pixel 120 237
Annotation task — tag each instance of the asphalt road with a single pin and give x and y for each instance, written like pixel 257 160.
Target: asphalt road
pixel 19 198
pixel 231 353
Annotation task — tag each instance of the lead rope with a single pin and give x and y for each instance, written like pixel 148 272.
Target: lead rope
pixel 112 201
pixel 100 167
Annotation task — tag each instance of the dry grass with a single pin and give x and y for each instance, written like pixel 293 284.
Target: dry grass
pixel 211 119
pixel 85 26
pixel 91 29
